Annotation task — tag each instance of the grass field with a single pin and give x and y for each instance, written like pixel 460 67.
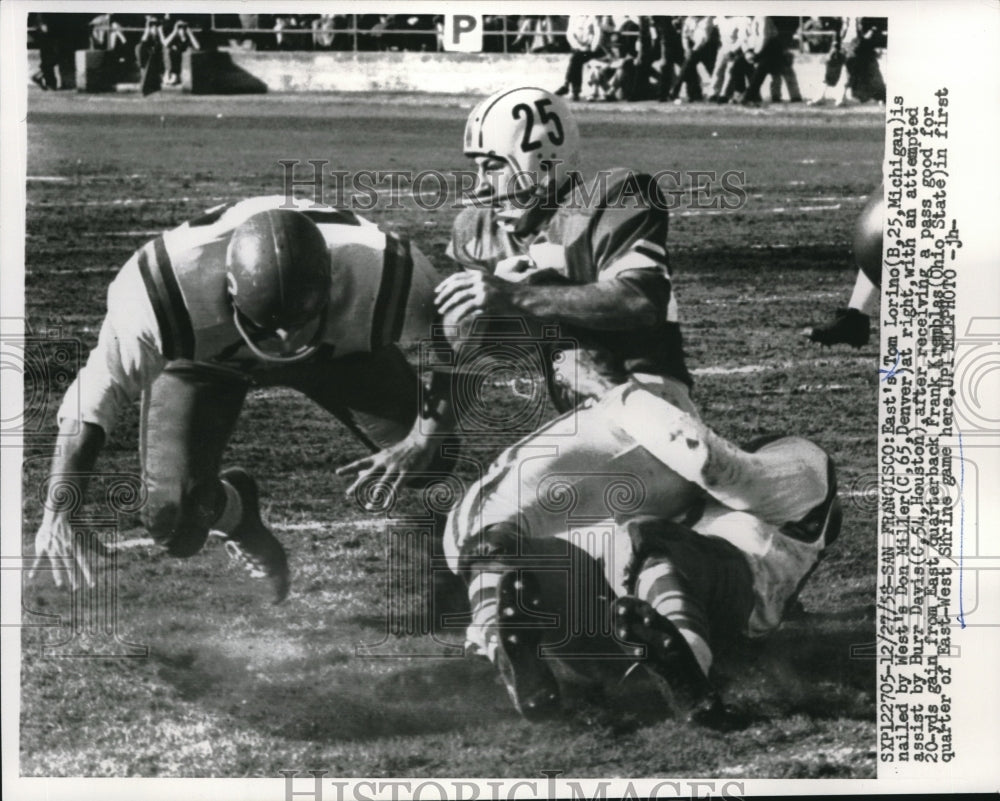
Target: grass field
pixel 232 686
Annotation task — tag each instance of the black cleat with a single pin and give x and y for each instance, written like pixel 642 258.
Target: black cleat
pixel 563 90
pixel 251 543
pixel 661 649
pixel 849 327
pixel 530 682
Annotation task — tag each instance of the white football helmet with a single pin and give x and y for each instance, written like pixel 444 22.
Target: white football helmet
pixel 530 129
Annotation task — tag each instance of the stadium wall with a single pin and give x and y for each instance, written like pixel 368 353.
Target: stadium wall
pixel 243 71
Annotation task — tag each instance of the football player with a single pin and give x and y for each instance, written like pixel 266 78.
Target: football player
pixel 852 325
pixel 595 263
pixel 260 292
pixel 692 540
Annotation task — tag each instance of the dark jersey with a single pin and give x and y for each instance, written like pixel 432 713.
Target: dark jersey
pixel 614 229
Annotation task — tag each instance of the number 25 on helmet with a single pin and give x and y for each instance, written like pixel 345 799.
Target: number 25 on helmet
pixel 531 130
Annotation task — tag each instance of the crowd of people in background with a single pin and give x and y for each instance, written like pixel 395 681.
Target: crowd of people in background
pixel 717 59
pixel 679 59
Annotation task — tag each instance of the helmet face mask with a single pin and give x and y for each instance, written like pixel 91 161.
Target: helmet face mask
pixel 278 276
pixel 533 133
pixel 281 345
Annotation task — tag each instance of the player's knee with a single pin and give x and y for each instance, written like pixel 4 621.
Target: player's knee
pixel 651 539
pixel 492 546
pixel 179 518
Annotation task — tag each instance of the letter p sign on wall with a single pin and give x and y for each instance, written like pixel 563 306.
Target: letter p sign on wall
pixel 463 33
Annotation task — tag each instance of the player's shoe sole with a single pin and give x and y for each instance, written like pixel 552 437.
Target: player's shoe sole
pixel 251 544
pixel 530 683
pixel 849 327
pixel 657 644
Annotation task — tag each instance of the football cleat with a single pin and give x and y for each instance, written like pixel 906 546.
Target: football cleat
pixel 849 327
pixel 250 543
pixel 656 644
pixel 529 680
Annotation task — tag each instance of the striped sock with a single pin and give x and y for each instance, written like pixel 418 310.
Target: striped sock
pixel 482 634
pixel 661 587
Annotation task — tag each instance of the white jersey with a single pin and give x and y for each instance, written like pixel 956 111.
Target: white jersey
pixel 170 302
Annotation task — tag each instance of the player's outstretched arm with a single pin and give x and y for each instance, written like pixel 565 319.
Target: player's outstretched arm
pixel 68 556
pixel 418 452
pixel 604 305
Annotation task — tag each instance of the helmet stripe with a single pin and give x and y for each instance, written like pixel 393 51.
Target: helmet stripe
pixel 282 254
pixel 497 99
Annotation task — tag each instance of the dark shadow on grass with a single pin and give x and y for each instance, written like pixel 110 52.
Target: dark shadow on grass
pixel 329 695
pixel 815 665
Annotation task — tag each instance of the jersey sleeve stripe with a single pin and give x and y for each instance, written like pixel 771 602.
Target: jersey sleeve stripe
pixel 176 306
pixel 652 247
pixel 655 253
pixel 394 290
pixel 166 332
pixel 633 260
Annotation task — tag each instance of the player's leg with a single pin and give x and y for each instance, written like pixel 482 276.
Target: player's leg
pixel 775 486
pixel 852 325
pixel 188 415
pixel 689 596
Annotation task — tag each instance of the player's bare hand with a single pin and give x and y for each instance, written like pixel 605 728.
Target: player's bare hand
pixel 70 557
pixel 380 477
pixel 473 292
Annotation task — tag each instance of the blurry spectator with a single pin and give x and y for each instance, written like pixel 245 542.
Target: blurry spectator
pixel 180 39
pixel 493 33
pixel 787 27
pixel 853 63
pixel 324 32
pixel 648 65
pixel 414 32
pixel 667 52
pixel 701 43
pixel 584 36
pixel 106 34
pixel 729 76
pixel 537 34
pixel 819 33
pixel 48 53
pixel 253 24
pixel 370 27
pixel 766 49
pixel 283 39
pixel 149 54
pixel 614 77
pixel 864 77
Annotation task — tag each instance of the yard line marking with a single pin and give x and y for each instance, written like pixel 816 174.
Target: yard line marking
pixel 794 297
pixel 786 365
pixel 75 271
pixel 342 524
pixel 92 235
pixel 61 179
pixel 128 201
